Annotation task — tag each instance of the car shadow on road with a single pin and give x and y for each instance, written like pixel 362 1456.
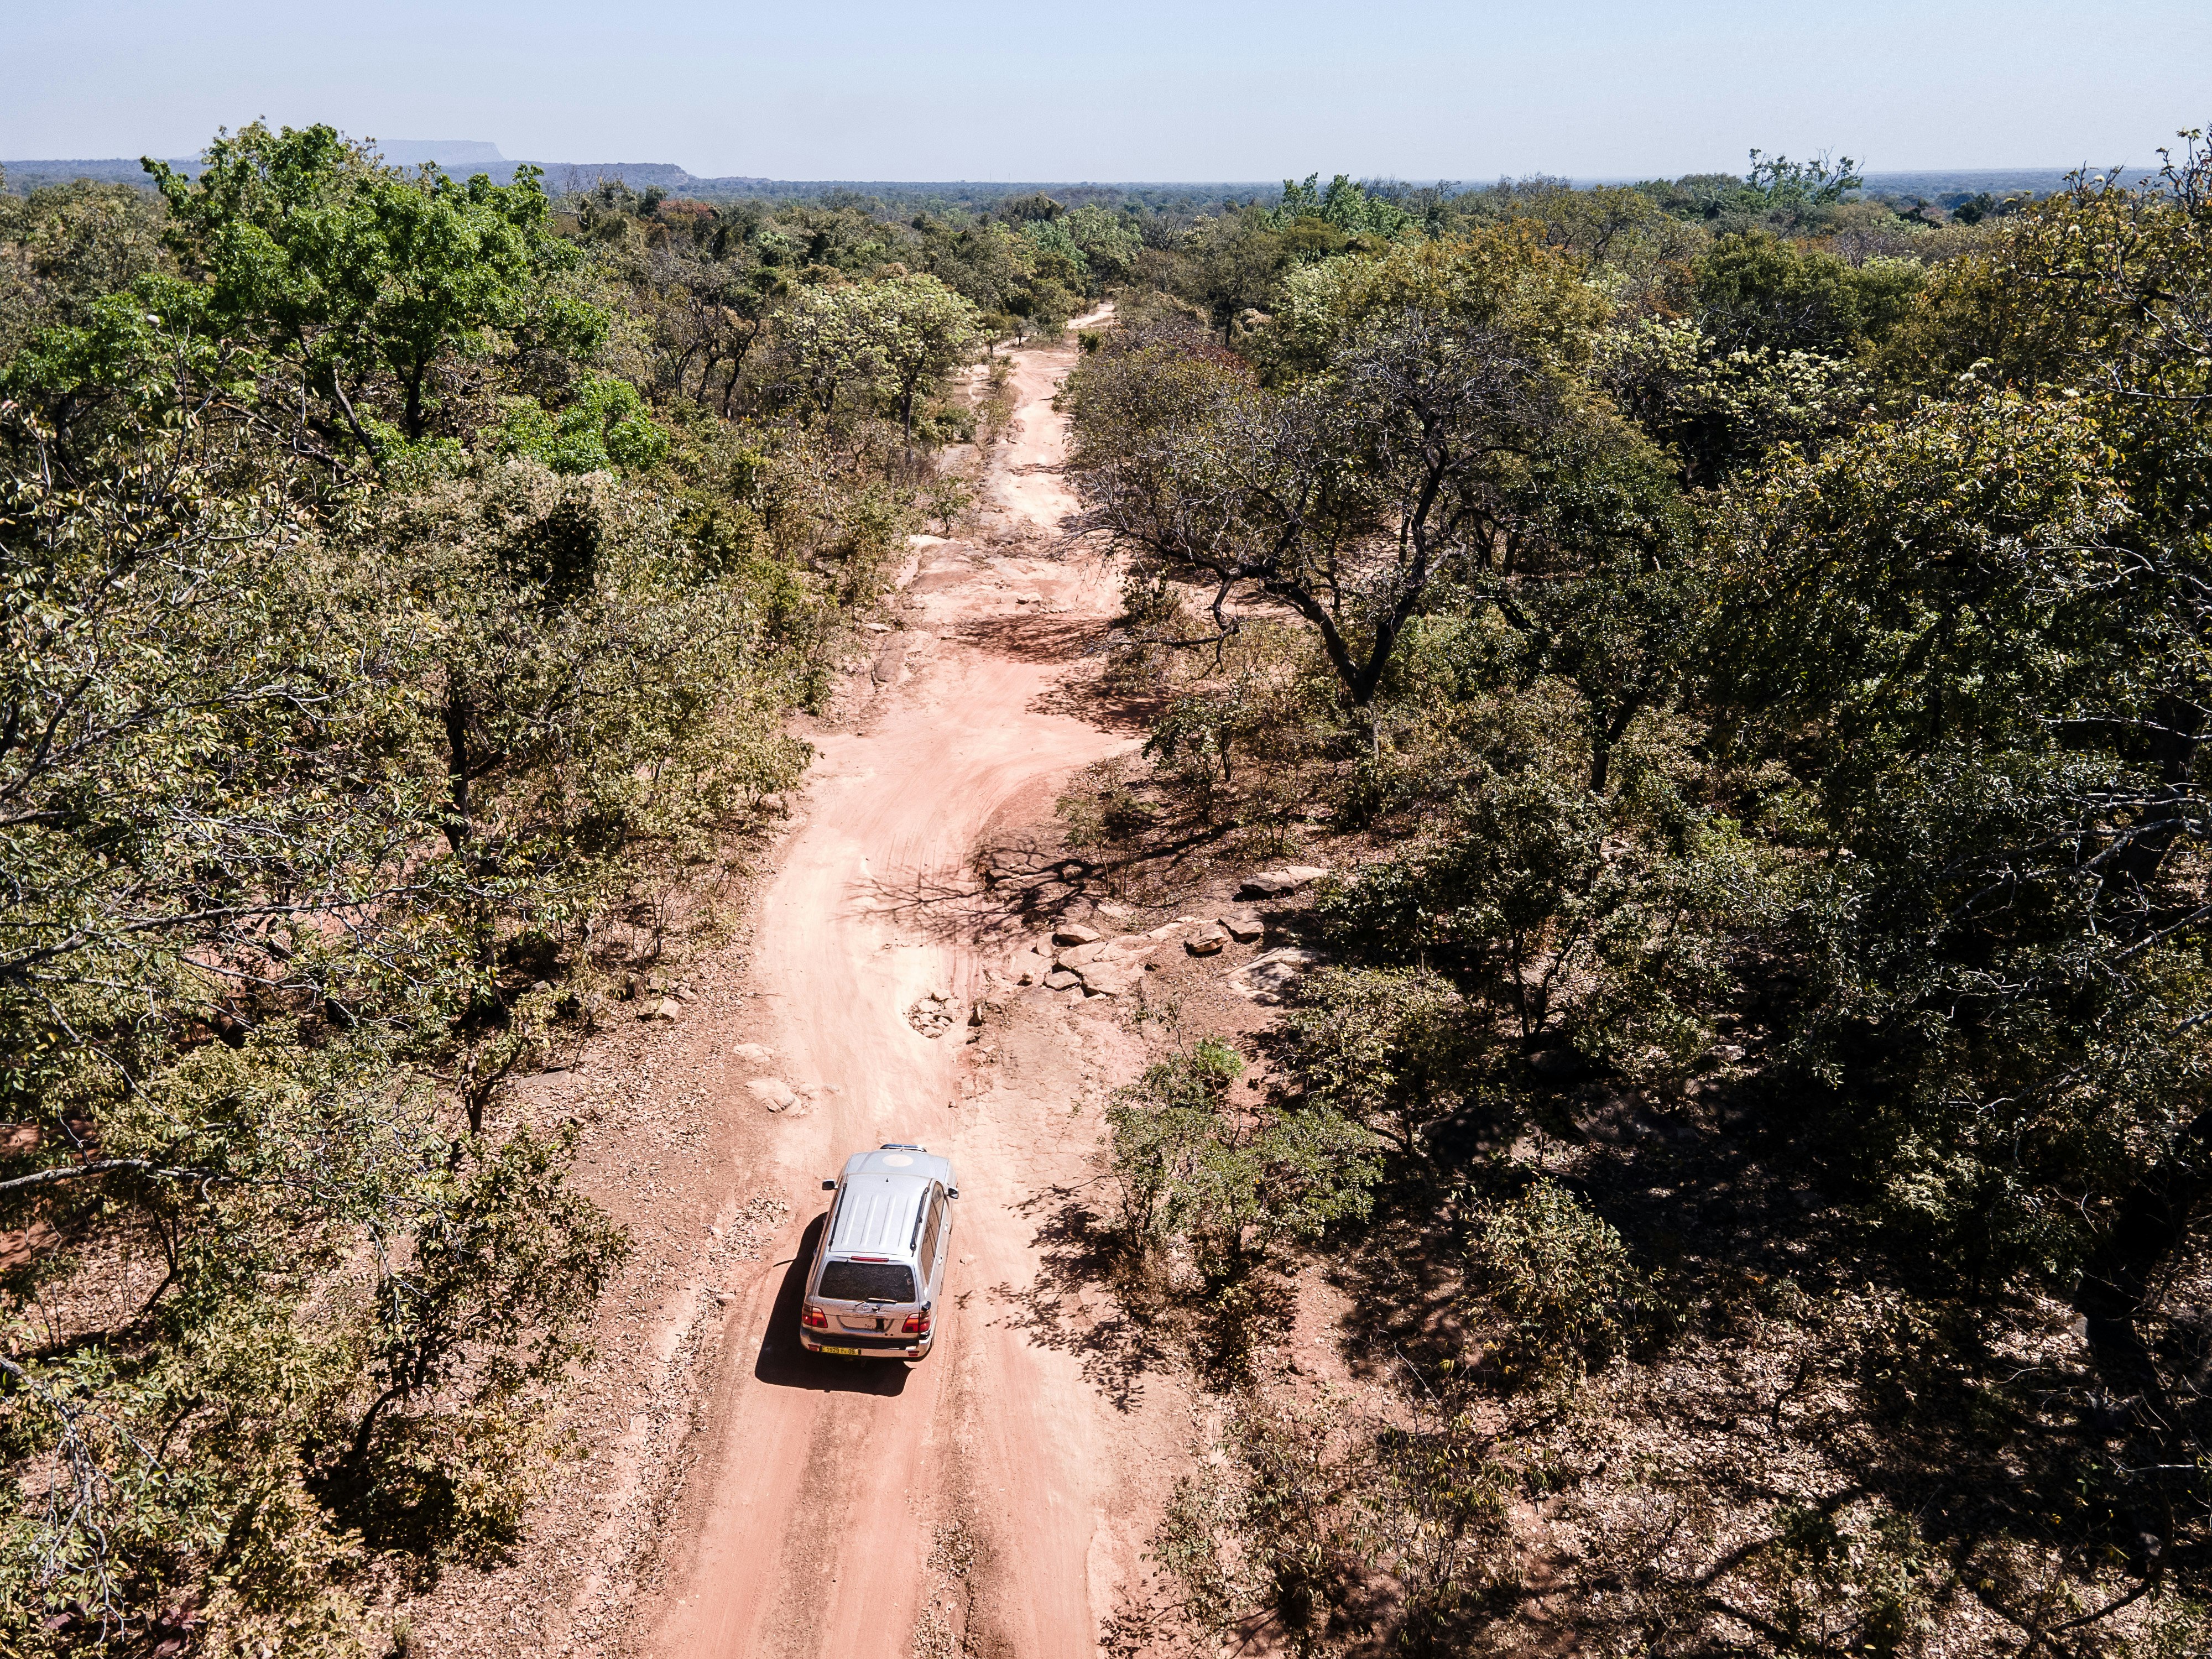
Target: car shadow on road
pixel 783 1364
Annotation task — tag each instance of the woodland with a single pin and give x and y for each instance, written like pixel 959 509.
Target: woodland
pixel 1737 640
pixel 1738 644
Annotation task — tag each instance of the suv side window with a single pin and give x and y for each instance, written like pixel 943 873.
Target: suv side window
pixel 934 1231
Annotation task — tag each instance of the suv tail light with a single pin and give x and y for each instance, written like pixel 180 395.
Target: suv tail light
pixel 917 1324
pixel 815 1318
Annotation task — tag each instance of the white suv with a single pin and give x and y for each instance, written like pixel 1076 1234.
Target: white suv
pixel 876 1273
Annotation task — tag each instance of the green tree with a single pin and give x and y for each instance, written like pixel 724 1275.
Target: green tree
pixel 63 246
pixel 890 339
pixel 1755 290
pixel 1231 264
pixel 303 790
pixel 1343 206
pixel 1228 1182
pixel 1108 242
pixel 923 331
pixel 1989 647
pixel 1397 1044
pixel 1441 435
pixel 363 282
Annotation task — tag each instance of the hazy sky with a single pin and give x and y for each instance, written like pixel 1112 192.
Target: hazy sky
pixel 1138 90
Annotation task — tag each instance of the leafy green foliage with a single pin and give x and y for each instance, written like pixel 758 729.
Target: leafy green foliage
pixel 1722 412
pixel 355 276
pixel 1558 1275
pixel 1755 290
pixel 887 340
pixel 367 635
pixel 1398 1045
pixel 1762 749
pixel 605 428
pixel 65 246
pixel 1343 206
pixel 1222 1182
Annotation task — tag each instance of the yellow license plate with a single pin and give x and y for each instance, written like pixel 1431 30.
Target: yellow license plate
pixel 851 1352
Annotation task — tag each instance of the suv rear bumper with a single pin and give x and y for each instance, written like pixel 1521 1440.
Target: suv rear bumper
pixel 890 1347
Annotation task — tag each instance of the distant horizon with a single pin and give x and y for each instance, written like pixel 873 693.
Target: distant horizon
pixel 459 155
pixel 983 91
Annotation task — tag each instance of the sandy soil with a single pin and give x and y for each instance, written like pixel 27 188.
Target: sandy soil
pixel 991 1495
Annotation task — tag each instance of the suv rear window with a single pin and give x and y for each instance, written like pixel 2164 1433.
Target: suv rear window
pixel 867 1281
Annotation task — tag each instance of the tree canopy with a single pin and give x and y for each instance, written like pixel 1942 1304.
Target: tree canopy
pixel 1741 641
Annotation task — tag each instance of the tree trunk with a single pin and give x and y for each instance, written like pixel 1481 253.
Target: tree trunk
pixel 414 411
pixel 2174 752
pixel 1601 750
pixel 457 766
pixel 2149 1227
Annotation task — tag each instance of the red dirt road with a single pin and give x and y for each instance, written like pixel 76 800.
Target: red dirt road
pixel 807 1524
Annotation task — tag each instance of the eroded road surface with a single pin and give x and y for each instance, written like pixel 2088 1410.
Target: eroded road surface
pixel 823 1485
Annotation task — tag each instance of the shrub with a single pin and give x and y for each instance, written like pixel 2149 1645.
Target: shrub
pixel 604 428
pixel 1200 1174
pixel 1344 1533
pixel 1392 1043
pixel 1559 1275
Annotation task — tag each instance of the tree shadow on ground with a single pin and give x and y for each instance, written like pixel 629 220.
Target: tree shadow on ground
pixel 944 904
pixel 1039 877
pixel 1793 1360
pixel 1116 1348
pixel 782 1363
pixel 1032 638
pixel 1096 699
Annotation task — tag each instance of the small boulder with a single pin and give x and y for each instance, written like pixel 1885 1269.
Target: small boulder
pixel 1280 884
pixel 1061 979
pixel 1108 979
pixel 1074 932
pixel 667 1008
pixel 933 1015
pixel 1205 942
pixel 752 1054
pixel 1077 956
pixel 772 1092
pixel 1243 929
pixel 1266 976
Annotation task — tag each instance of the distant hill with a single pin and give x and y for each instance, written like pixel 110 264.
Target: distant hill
pixel 112 170
pixel 463 156
pixel 451 154
pixel 1970 181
